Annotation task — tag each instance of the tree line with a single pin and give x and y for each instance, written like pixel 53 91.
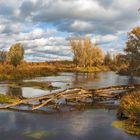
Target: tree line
pixel 88 54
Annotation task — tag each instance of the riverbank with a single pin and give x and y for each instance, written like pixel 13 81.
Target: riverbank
pixel 126 71
pixel 127 127
pixel 31 70
pixel 37 85
pixel 8 99
pixel 129 114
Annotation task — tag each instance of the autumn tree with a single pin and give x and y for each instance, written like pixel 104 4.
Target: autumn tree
pixel 16 54
pixel 120 59
pixel 98 56
pixel 77 48
pixel 3 55
pixel 133 49
pixel 85 53
pixel 108 59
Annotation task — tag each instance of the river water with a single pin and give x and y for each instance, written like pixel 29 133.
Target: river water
pixel 67 80
pixel 88 124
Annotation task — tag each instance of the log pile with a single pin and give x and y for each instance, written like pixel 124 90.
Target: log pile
pixel 75 96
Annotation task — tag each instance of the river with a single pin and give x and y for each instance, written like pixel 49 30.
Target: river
pixel 88 124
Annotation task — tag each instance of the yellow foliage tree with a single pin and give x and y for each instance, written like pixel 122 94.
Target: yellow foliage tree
pixel 133 49
pixel 85 54
pixel 15 54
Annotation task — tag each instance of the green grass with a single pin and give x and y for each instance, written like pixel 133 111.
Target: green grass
pixel 39 134
pixel 127 127
pixel 7 99
pixel 92 69
pixel 38 85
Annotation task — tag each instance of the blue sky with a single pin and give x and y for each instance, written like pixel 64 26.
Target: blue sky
pixel 44 26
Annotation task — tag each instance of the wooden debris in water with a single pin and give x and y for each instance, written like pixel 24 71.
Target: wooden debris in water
pixel 75 95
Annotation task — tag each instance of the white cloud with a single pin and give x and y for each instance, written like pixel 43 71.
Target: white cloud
pixel 43 25
pixel 108 38
pixel 1 28
pixel 81 25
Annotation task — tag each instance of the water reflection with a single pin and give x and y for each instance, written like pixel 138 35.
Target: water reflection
pixel 67 80
pixel 79 79
pixel 102 79
pixel 14 92
pixel 88 80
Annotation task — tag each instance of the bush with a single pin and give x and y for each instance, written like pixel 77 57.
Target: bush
pixel 129 111
pixel 130 105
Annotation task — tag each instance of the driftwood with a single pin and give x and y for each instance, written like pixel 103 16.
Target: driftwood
pixel 50 97
pixel 75 95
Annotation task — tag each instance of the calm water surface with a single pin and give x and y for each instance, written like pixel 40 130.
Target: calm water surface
pixel 66 80
pixel 90 124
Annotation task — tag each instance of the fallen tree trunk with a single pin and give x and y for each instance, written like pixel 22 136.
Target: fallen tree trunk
pixel 76 95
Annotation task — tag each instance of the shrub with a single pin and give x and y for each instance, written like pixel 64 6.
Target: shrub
pixel 130 105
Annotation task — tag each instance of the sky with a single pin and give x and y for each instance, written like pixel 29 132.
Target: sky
pixel 44 27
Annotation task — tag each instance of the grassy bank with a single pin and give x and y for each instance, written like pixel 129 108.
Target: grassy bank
pixel 38 85
pixel 129 111
pixel 8 99
pixel 126 71
pixel 92 69
pixel 69 66
pixel 24 71
pixel 31 70
pixel 127 127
